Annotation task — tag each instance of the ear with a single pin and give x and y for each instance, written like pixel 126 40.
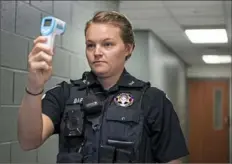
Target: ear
pixel 129 48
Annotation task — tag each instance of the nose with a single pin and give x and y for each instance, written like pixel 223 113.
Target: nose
pixel 98 50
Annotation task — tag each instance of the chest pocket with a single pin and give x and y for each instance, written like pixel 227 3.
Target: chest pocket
pixel 123 126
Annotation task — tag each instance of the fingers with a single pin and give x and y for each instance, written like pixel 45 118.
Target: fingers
pixel 39 65
pixel 41 47
pixel 41 56
pixel 40 39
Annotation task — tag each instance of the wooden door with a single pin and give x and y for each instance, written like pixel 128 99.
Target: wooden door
pixel 208 121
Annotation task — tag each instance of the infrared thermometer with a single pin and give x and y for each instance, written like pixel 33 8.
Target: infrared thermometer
pixel 50 27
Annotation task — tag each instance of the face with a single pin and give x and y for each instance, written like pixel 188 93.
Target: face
pixel 105 49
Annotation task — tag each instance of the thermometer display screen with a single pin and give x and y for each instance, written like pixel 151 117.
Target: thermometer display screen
pixel 47 22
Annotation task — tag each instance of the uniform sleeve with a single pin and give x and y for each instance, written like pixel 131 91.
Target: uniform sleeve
pixel 168 142
pixel 52 103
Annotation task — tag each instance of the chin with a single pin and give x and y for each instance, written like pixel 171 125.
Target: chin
pixel 100 72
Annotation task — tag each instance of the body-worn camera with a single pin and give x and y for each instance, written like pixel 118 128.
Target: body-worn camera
pixel 74 123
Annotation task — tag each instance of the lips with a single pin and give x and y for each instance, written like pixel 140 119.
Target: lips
pixel 98 62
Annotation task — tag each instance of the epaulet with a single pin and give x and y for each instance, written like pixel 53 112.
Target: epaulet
pixel 143 83
pixel 62 85
pixel 67 86
pixel 132 81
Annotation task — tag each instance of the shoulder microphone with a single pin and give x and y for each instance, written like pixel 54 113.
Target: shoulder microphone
pixel 90 104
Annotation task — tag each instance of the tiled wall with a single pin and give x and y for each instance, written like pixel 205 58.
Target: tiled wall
pixel 20 24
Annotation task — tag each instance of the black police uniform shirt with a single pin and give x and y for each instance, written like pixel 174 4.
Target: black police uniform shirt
pixel 166 138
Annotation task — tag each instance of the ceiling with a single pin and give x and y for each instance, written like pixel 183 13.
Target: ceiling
pixel 168 19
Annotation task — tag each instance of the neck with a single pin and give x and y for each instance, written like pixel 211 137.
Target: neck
pixel 108 82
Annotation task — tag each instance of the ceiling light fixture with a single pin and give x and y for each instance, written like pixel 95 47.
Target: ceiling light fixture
pixel 216 59
pixel 207 36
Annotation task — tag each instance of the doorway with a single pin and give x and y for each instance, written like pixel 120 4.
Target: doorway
pixel 208 120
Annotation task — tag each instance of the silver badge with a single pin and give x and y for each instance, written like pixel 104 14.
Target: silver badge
pixel 124 99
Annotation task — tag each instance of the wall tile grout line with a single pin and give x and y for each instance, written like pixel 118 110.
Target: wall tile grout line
pixel 13 90
pixel 15 21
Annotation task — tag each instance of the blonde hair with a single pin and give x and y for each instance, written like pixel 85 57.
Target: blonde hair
pixel 118 20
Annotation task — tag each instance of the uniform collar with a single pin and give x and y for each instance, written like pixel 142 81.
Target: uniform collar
pixel 125 80
pixel 88 78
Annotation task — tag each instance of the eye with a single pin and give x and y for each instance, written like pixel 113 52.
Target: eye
pixel 90 45
pixel 108 44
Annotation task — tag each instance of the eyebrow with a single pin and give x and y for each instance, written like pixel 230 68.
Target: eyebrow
pixel 101 40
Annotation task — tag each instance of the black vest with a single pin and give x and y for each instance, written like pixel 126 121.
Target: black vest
pixel 114 135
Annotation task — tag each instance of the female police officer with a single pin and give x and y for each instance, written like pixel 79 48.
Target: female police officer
pixel 106 116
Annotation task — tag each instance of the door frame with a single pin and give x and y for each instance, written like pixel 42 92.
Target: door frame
pixel 229 79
